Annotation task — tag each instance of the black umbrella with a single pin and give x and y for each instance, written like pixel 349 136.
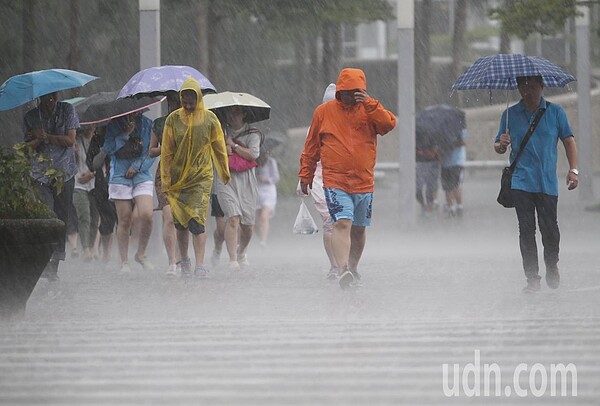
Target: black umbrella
pixel 99 108
pixel 441 123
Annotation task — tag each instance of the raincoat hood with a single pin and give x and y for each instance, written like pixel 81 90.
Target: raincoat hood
pixel 192 84
pixel 350 79
pixel 329 93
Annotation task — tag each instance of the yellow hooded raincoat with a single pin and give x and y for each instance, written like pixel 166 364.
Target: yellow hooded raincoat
pixel 191 144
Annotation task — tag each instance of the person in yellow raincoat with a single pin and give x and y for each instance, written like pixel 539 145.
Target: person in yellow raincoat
pixel 192 141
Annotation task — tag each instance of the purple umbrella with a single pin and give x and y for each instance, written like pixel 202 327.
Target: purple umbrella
pixel 161 79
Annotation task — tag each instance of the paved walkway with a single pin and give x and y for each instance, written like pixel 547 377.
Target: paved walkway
pixel 446 292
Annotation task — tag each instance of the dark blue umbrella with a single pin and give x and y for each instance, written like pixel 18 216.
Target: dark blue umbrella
pixel 441 124
pixel 501 72
pixel 21 89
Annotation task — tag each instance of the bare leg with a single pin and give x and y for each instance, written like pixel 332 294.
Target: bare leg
pixel 106 243
pixel 183 241
pixel 199 242
pixel 262 223
pixel 96 251
pixel 124 214
pixel 168 234
pixel 327 243
pixel 144 204
pixel 231 236
pixel 73 240
pixel 358 237
pixel 341 241
pixel 219 234
pixel 245 237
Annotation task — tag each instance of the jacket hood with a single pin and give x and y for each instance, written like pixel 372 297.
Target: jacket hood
pixel 329 93
pixel 350 79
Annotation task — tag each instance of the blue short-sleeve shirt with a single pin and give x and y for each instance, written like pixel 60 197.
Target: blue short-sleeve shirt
pixel 536 170
pixel 63 118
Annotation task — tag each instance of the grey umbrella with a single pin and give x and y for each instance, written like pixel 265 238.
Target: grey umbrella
pixel 100 107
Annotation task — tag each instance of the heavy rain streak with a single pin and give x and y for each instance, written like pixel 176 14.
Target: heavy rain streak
pixel 297 202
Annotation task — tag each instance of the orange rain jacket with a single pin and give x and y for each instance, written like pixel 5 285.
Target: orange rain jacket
pixel 344 138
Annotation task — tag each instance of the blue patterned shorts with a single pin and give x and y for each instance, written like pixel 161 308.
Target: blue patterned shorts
pixel 357 207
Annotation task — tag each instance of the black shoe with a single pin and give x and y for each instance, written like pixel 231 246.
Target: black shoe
pixel 552 278
pixel 533 285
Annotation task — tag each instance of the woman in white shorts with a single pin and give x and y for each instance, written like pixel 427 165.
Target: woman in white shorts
pixel 131 183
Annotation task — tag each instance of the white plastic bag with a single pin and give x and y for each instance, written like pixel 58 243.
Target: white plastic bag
pixel 304 222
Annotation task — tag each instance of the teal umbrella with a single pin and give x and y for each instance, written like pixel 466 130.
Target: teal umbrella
pixel 23 88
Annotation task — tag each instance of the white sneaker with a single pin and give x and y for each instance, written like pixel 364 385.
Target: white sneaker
pixel 243 261
pixel 172 271
pixel 333 273
pixel 201 272
pixel 125 267
pixel 233 266
pixel 144 262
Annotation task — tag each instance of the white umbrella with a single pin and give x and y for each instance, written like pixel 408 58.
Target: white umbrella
pixel 257 109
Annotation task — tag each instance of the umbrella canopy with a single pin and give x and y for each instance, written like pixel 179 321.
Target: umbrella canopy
pixel 441 123
pixel 159 80
pixel 21 89
pixel 257 109
pixel 101 107
pixel 501 72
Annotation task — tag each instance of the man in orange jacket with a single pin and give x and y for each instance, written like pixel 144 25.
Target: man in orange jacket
pixel 343 136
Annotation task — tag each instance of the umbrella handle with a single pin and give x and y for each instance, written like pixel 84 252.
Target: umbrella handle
pixel 506 109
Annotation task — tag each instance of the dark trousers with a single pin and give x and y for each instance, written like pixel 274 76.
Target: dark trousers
pixel 526 205
pixel 60 203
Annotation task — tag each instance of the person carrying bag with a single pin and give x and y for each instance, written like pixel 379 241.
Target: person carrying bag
pixel 505 196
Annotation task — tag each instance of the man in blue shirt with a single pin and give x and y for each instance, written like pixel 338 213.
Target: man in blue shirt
pixel 50 130
pixel 535 181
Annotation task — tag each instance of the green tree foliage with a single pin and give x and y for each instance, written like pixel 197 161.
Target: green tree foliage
pixel 525 17
pixel 308 16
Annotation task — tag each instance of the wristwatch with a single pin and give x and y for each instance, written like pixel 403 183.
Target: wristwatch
pixel 575 171
pixel 235 146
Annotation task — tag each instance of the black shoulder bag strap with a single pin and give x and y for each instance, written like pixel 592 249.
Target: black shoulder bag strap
pixel 528 135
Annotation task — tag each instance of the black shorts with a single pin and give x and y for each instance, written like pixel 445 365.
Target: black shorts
pixel 452 177
pixel 215 207
pixel 194 227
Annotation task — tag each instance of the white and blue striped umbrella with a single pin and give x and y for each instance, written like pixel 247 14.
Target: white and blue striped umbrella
pixel 501 72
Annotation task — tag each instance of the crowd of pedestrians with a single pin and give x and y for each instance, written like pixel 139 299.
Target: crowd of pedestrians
pixel 220 162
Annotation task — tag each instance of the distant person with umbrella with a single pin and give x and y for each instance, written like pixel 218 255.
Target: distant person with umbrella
pixel 427 161
pixel 453 131
pixel 192 143
pixel 343 136
pixel 131 183
pixel 50 130
pixel 534 181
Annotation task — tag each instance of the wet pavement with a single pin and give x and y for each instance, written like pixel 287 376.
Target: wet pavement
pixel 444 293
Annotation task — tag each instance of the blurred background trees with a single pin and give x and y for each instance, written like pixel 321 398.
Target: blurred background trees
pixel 284 51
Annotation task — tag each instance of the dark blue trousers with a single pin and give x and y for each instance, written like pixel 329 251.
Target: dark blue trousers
pixel 527 205
pixel 60 203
